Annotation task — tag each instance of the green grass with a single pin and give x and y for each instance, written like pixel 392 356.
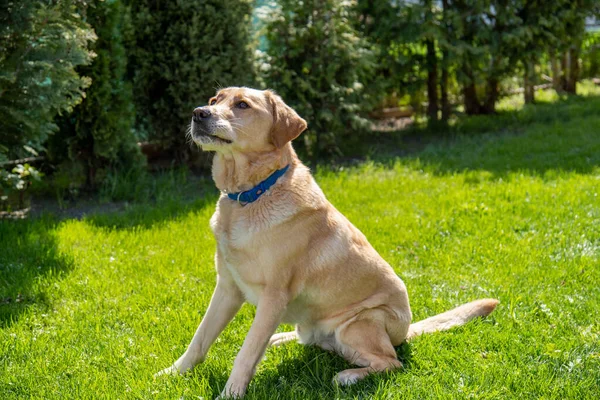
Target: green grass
pixel 92 308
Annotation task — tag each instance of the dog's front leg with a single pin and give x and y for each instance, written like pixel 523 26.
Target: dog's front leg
pixel 269 312
pixel 224 304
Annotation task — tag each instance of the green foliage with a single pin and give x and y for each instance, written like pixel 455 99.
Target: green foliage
pixel 331 60
pixel 320 65
pixel 397 32
pixel 41 44
pixel 180 53
pixel 20 177
pixel 17 181
pixel 485 45
pixel 99 134
pixel 590 50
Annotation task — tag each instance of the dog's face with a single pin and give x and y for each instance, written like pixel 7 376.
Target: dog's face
pixel 245 120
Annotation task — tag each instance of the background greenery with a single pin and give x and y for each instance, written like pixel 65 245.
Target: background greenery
pixel 180 53
pixel 90 140
pixel 82 82
pixel 41 46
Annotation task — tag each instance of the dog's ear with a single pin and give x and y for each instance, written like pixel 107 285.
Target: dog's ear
pixel 287 124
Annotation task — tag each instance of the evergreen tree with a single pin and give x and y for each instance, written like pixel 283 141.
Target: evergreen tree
pixel 99 132
pixel 320 65
pixel 41 44
pixel 180 53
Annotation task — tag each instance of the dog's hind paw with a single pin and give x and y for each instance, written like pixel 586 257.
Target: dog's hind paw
pixel 350 376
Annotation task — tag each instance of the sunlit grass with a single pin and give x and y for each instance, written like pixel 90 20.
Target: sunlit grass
pixel 92 308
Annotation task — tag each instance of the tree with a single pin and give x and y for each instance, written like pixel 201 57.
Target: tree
pixel 483 43
pixel 571 32
pixel 406 37
pixel 98 134
pixel 537 26
pixel 591 55
pixel 320 65
pixel 41 44
pixel 180 53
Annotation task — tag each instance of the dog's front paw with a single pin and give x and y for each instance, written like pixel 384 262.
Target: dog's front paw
pixel 232 391
pixel 178 368
pixel 172 370
pixel 184 364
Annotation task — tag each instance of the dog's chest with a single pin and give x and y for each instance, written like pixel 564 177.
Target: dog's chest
pixel 243 253
pixel 251 290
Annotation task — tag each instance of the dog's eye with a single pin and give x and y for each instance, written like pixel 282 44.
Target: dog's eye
pixel 213 102
pixel 243 105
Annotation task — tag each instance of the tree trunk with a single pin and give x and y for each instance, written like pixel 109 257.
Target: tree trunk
pixel 573 70
pixel 491 90
pixel 594 63
pixel 469 91
pixel 491 95
pixel 446 110
pixel 528 82
pixel 91 178
pixel 432 94
pixel 472 105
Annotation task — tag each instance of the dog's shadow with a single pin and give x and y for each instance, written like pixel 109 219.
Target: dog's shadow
pixel 306 372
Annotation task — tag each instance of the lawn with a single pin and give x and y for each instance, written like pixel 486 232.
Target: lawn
pixel 93 307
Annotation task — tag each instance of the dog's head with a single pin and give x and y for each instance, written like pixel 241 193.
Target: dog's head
pixel 245 120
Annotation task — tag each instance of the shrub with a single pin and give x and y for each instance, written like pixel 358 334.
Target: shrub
pixel 16 182
pixel 41 43
pixel 320 65
pixel 180 52
pixel 99 134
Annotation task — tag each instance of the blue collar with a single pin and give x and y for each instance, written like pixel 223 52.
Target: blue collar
pixel 250 196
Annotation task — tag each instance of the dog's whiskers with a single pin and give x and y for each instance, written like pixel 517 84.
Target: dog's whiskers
pixel 237 126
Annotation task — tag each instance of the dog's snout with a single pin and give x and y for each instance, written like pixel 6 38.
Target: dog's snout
pixel 201 113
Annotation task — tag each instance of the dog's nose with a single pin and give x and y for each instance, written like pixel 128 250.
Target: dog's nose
pixel 201 113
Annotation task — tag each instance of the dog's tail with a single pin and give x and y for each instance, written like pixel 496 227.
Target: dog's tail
pixel 455 317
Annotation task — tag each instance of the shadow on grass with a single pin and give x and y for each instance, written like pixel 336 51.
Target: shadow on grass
pixel 307 374
pixel 539 139
pixel 130 199
pixel 148 215
pixel 310 375
pixel 153 199
pixel 28 256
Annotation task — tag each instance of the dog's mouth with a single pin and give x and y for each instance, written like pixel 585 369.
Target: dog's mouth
pixel 214 139
pixel 201 137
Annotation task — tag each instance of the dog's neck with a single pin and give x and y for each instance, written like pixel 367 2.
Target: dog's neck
pixel 236 172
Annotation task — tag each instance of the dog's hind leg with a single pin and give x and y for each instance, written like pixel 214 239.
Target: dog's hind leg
pixel 366 343
pixel 284 337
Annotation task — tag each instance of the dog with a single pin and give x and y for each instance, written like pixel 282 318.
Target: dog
pixel 284 248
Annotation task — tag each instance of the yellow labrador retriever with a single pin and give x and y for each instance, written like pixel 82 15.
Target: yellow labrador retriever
pixel 284 248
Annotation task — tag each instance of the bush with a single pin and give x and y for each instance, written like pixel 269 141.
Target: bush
pixel 320 65
pixel 99 134
pixel 16 183
pixel 41 43
pixel 180 53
